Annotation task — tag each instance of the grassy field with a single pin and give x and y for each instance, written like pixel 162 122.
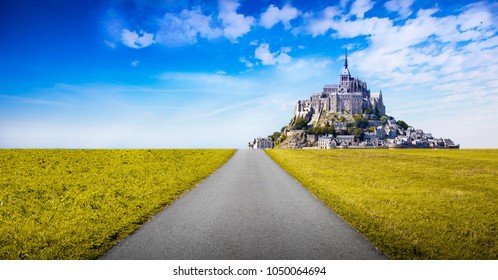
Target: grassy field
pixel 411 204
pixel 76 204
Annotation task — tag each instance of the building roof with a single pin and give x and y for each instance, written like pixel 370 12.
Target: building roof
pixel 344 136
pixel 345 72
pixel 322 137
pixel 330 86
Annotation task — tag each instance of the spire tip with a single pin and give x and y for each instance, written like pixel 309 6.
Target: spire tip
pixel 346 58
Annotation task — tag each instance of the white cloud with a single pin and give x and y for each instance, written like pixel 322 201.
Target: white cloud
pixel 234 25
pixel 189 25
pixel 186 27
pixel 247 63
pixel 429 48
pixel 418 47
pixel 283 58
pixel 134 63
pixel 274 15
pixel 360 7
pixel 267 58
pixel 333 18
pixel 263 53
pixel 368 26
pixel 343 3
pixel 402 7
pixel 136 40
pixel 320 26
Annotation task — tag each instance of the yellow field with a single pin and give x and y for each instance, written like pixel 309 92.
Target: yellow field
pixel 411 204
pixel 75 204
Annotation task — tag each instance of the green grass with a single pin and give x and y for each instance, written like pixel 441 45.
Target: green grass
pixel 76 204
pixel 411 204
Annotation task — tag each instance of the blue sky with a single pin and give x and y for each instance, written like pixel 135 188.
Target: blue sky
pixel 216 74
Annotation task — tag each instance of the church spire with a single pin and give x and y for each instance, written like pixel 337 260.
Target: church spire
pixel 346 59
pixel 345 76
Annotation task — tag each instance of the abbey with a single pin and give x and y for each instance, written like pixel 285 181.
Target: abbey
pixel 346 115
pixel 351 96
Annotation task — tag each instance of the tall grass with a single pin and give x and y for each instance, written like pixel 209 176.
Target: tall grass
pixel 411 204
pixel 76 204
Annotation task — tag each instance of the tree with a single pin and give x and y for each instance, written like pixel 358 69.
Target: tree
pixel 358 133
pixel 323 130
pixel 275 136
pixel 300 123
pixel 383 120
pixel 403 124
pixel 360 121
pixel 345 132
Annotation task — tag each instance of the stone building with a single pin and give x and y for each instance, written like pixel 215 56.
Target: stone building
pixel 350 96
pixel 326 142
pixel 261 143
pixel 345 140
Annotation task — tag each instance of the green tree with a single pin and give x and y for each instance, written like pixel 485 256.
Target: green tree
pixel 323 130
pixel 275 136
pixel 328 129
pixel 383 119
pixel 358 133
pixel 345 132
pixel 403 124
pixel 360 121
pixel 300 123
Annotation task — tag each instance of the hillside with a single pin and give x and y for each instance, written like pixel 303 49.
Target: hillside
pixel 331 130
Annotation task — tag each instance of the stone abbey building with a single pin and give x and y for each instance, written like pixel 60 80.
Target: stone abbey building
pixel 329 122
pixel 350 96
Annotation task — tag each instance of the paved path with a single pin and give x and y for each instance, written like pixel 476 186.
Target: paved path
pixel 248 209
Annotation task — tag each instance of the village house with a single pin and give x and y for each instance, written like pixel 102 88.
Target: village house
pixel 261 143
pixel 326 142
pixel 340 126
pixel 345 140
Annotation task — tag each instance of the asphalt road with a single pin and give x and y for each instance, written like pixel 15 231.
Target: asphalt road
pixel 248 209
